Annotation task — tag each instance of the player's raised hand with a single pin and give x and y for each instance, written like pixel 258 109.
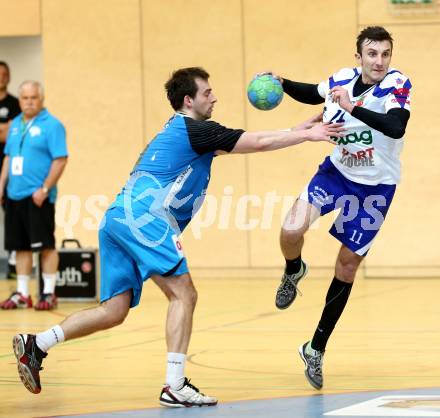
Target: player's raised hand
pixel 309 123
pixel 325 132
pixel 340 96
pixel 274 75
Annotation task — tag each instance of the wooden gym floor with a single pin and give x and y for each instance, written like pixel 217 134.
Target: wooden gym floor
pixel 243 348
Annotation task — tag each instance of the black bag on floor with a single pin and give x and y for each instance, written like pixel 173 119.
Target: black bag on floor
pixel 77 273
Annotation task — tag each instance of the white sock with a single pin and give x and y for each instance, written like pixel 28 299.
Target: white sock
pixel 49 283
pixel 176 370
pixel 23 284
pixel 49 338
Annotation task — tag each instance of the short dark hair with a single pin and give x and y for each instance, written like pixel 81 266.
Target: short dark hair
pixel 5 64
pixel 373 33
pixel 182 83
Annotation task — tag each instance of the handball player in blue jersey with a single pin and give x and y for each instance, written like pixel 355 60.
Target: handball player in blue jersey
pixel 139 235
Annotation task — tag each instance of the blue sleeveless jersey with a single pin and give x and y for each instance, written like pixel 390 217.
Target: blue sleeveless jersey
pixel 170 178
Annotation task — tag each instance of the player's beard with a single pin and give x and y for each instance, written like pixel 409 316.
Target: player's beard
pixel 206 115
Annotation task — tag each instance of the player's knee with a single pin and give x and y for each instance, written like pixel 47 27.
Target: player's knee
pixel 346 276
pixel 291 235
pixel 189 296
pixel 347 271
pixel 299 219
pixel 170 295
pixel 118 317
pixel 193 296
pixel 115 315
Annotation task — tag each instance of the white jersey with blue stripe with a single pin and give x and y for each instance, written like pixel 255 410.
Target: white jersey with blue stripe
pixel 365 155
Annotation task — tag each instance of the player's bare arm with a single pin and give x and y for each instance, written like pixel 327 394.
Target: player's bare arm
pixel 273 140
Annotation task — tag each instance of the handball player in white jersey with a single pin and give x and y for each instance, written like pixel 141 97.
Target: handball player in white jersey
pixel 359 178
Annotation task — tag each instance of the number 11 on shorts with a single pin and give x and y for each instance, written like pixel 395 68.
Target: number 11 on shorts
pixel 359 236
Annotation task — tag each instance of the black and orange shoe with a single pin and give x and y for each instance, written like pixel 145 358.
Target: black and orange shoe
pixel 29 359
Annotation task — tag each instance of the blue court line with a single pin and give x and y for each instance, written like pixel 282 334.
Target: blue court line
pixel 314 406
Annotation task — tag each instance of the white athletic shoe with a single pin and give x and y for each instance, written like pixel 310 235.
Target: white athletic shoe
pixel 185 397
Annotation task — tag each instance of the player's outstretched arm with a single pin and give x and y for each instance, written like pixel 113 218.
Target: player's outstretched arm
pixel 272 140
pixel 309 123
pixel 301 92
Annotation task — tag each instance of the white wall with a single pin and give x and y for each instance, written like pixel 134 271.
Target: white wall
pixel 24 56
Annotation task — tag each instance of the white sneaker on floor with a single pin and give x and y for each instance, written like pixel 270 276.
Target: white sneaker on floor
pixel 185 397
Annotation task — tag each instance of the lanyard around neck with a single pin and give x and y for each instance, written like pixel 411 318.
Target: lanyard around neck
pixel 24 127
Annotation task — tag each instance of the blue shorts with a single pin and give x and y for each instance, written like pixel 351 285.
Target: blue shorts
pixel 130 254
pixel 363 207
